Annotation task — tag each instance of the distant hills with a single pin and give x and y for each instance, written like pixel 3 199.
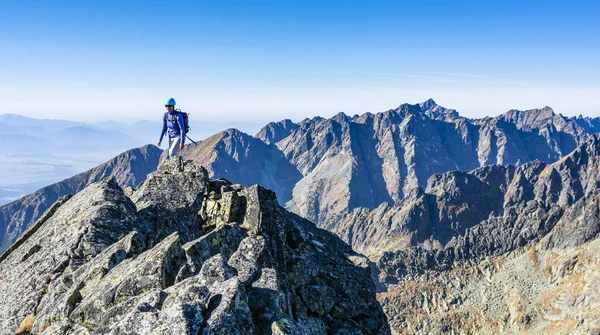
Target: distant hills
pixel 39 152
pixel 129 169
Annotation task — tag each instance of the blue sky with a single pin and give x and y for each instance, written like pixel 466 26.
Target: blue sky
pixel 269 60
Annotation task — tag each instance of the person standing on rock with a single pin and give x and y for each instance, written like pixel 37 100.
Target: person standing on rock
pixel 173 121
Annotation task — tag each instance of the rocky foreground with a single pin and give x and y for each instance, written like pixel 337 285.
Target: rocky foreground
pixel 183 255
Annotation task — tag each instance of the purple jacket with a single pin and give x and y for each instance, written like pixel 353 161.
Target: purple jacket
pixel 174 122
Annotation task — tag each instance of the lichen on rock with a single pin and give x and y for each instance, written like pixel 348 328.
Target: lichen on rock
pixel 184 255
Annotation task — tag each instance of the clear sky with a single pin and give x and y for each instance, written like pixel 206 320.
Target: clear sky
pixel 267 60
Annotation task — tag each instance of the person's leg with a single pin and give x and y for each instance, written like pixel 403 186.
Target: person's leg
pixel 173 146
pixel 169 147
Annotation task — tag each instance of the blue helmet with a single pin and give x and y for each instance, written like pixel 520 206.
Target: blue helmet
pixel 170 102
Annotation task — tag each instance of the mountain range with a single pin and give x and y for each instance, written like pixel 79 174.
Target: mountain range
pixel 500 248
pixel 322 168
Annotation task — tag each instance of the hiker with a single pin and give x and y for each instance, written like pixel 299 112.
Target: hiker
pixel 173 120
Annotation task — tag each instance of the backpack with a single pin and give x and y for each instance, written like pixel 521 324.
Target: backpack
pixel 186 120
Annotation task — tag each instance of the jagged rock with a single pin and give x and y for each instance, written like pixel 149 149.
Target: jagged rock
pixel 105 264
pixel 250 248
pixel 78 230
pixel 223 240
pixel 229 310
pixel 246 160
pixel 169 200
pixel 215 271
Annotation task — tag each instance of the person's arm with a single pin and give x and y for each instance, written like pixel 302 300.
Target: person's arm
pixel 164 128
pixel 181 128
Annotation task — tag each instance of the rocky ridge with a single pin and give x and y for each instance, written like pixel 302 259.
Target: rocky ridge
pixel 129 168
pixel 183 255
pixel 276 131
pixel 364 161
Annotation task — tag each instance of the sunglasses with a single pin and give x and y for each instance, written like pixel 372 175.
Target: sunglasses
pixel 168 105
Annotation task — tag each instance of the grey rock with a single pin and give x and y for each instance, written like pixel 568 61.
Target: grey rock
pixel 229 311
pixel 102 263
pixel 75 234
pixel 215 271
pixel 223 240
pixel 249 249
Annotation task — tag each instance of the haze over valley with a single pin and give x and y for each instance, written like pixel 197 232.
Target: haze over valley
pixel 40 152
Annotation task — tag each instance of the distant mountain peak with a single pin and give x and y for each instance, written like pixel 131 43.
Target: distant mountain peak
pixel 429 103
pixel 435 111
pixel 538 113
pixel 276 131
pixel 547 111
pixel 340 117
pixel 234 131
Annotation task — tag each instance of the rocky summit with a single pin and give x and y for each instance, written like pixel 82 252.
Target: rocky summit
pixel 182 254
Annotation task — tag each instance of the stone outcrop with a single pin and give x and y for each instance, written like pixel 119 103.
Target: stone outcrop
pixel 183 255
pixel 246 160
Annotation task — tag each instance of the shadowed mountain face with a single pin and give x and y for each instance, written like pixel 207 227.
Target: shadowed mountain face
pixel 130 168
pixel 183 255
pixel 501 248
pixel 457 203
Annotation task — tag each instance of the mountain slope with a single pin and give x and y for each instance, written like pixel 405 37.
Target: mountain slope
pixel 322 168
pixel 129 169
pixel 200 257
pixel 528 233
pixel 245 160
